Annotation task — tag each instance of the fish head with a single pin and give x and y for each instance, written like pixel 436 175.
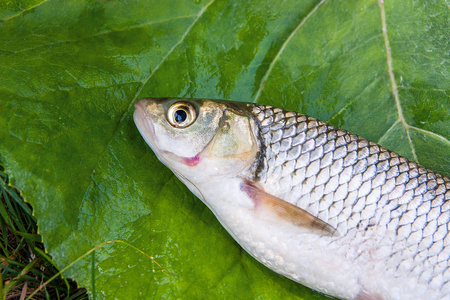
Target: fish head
pixel 198 139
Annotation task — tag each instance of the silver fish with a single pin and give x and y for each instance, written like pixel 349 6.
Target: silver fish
pixel 315 203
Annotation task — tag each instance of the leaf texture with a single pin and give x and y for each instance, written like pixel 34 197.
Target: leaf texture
pixel 71 71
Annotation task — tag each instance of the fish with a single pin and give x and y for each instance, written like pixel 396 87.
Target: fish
pixel 312 202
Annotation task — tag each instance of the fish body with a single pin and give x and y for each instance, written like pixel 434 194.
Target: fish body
pixel 315 203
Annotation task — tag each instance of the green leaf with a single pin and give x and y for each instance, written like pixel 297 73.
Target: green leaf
pixel 71 71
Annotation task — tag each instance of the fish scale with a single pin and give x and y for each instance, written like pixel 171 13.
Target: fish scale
pixel 313 202
pixel 356 185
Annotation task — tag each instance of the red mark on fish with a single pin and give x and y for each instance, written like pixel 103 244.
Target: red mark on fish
pixel 192 161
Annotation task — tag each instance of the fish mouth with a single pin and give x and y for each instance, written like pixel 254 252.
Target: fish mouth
pixel 144 124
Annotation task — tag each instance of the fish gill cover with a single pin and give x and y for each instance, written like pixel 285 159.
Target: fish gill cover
pixel 71 71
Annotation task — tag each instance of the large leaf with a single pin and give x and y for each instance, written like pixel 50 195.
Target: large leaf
pixel 71 70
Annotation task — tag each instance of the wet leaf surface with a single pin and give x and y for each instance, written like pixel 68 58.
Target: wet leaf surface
pixel 72 70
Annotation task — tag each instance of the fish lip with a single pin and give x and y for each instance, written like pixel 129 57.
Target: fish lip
pixel 138 105
pixel 144 124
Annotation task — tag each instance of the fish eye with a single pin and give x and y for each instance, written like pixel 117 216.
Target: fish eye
pixel 181 114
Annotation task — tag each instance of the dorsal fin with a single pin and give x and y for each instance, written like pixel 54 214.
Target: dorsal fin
pixel 286 210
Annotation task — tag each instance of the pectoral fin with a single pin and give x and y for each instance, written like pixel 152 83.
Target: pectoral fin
pixel 287 211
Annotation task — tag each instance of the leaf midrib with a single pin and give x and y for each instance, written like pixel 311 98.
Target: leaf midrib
pixel 394 87
pixel 283 46
pixel 105 32
pixel 23 11
pixel 401 119
pixel 139 90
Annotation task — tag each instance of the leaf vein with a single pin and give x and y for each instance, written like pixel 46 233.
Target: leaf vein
pixel 241 256
pixel 403 87
pixel 23 11
pixel 438 136
pixel 293 33
pixel 392 79
pixel 105 32
pixel 355 98
pixel 380 140
pixel 126 112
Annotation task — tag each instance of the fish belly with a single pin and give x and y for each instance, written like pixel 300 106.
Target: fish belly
pixel 346 267
pixel 391 213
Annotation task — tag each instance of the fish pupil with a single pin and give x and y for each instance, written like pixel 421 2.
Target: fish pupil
pixel 180 115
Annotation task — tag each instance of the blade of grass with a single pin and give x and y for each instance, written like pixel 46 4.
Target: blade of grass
pixel 5 217
pixel 93 275
pixel 24 291
pixel 92 250
pixel 48 258
pixel 1 287
pixel 30 236
pixel 23 263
